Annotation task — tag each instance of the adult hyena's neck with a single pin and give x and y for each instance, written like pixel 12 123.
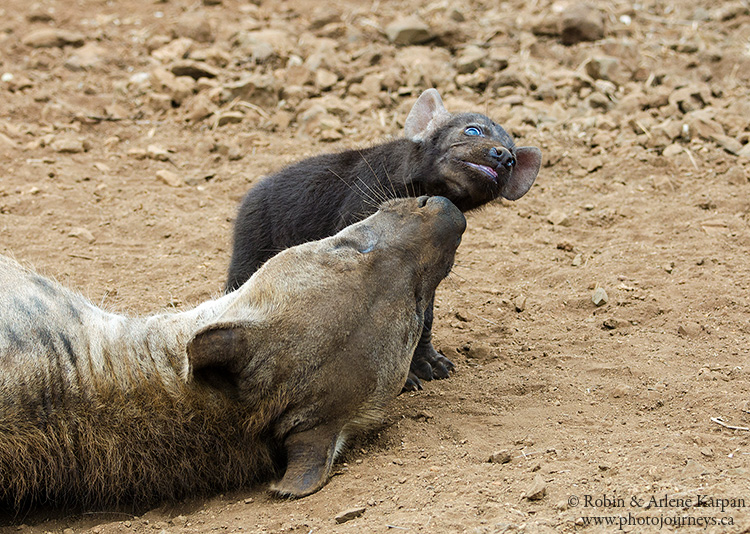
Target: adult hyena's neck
pixel 151 347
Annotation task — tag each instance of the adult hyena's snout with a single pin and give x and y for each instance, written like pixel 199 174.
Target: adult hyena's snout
pixel 449 223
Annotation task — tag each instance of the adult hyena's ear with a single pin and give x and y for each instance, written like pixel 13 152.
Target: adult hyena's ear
pixel 528 162
pixel 426 116
pixel 221 345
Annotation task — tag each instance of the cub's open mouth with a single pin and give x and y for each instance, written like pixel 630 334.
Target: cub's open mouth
pixel 488 171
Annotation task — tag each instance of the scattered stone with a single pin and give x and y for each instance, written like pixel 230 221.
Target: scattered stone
pixel 612 323
pixel 581 22
pixel 591 163
pixel 691 97
pixel 501 457
pixel 408 31
pixel 194 69
pixel 689 330
pixel 194 25
pixel 258 89
pixel 178 88
pixel 599 297
pixel 230 117
pixel 693 469
pixel 479 350
pixel 577 260
pixel 87 57
pixel 603 68
pixel 548 25
pixel 537 490
pixel 520 303
pixel 470 59
pixel 157 153
pixel 325 79
pixel 736 176
pixel 558 218
pixel 175 50
pixel 199 107
pixel 68 145
pixel 663 183
pixel 730 144
pixel 672 150
pixel 53 38
pixel 170 178
pixel 745 151
pixel 83 234
pixel 621 390
pixel 350 514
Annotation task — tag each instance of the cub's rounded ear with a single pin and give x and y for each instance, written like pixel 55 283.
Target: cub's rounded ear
pixel 221 345
pixel 528 163
pixel 426 116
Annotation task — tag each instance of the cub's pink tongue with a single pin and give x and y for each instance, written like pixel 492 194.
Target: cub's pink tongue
pixel 489 171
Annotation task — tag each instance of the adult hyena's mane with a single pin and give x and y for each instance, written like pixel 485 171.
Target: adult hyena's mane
pixel 135 447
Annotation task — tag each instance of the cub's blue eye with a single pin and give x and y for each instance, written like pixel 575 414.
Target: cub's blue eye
pixel 473 130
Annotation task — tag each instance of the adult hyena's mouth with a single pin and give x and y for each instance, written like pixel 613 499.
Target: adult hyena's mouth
pixel 484 169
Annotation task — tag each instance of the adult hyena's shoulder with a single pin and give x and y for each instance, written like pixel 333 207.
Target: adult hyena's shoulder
pixel 45 331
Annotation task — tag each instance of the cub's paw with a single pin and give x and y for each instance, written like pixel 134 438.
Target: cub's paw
pixel 429 364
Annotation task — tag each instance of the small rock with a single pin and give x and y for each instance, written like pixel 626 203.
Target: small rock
pixel 194 25
pixel 83 234
pixel 693 469
pixel 730 144
pixel 691 97
pixel 157 153
pixel 736 176
pixel 581 23
pixel 194 69
pixel 479 350
pixel 87 57
pixel 52 38
pixel 663 183
pixel 558 218
pixel 520 303
pixel 599 297
pixel 538 489
pixel 350 514
pixel 408 31
pixel 470 59
pixel 577 261
pixel 672 150
pixel 68 145
pixel 689 329
pixel 179 88
pixel 591 163
pixel 175 50
pixel 745 151
pixel 603 67
pixel 170 178
pixel 500 457
pixel 621 390
pixel 199 108
pixel 612 323
pixel 258 89
pixel 325 79
pixel 249 500
pixel 230 117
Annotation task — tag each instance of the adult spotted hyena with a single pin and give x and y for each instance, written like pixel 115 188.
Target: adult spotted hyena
pixel 98 408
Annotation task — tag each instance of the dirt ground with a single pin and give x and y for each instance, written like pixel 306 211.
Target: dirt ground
pixel 129 130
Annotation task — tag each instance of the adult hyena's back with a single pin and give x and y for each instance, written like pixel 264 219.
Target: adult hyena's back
pixel 41 336
pixel 55 344
pixel 92 411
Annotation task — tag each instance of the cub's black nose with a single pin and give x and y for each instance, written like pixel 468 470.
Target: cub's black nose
pixel 502 156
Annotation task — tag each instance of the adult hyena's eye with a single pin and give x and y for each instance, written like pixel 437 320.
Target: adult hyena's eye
pixel 473 131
